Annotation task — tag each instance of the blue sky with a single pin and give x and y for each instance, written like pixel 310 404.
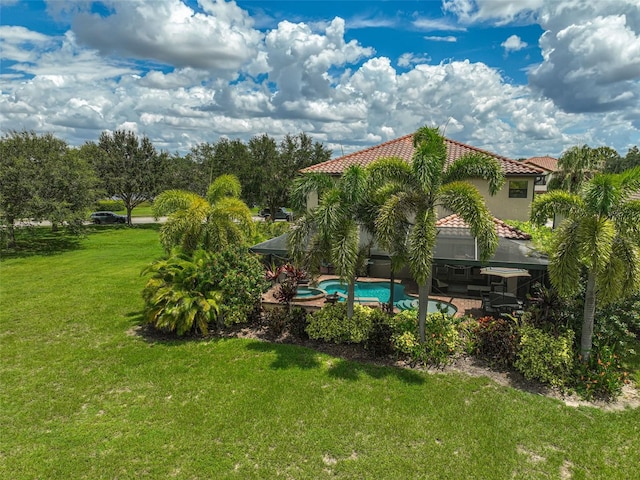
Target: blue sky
pixel 521 79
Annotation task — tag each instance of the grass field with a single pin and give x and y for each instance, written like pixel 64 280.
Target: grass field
pixel 82 396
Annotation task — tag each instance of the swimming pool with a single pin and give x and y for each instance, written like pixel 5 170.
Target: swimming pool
pixel 305 294
pixel 380 292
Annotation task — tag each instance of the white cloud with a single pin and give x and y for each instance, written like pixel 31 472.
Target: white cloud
pixel 471 11
pixel 435 38
pixel 437 24
pixel 513 44
pixel 408 59
pixel 307 77
pixel 590 50
pixel 221 39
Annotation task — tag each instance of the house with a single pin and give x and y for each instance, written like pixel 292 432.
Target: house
pixel 456 258
pixel 549 165
pixel 512 202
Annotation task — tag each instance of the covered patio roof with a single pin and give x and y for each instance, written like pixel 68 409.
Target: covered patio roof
pixel 454 246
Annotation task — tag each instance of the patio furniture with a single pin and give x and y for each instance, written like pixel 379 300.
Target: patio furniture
pixel 331 298
pixel 506 303
pixel 439 286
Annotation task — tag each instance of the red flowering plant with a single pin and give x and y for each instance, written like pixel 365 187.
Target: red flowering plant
pixel 602 377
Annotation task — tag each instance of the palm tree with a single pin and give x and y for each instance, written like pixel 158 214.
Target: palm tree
pixel 179 297
pixel 219 219
pixel 331 231
pixel 406 222
pixel 578 165
pixel 600 234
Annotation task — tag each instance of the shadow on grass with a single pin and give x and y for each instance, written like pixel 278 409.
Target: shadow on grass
pixel 33 240
pixel 288 356
pixel 350 370
pixel 152 335
pixel 291 356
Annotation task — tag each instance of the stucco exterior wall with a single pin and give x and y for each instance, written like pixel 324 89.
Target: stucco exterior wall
pixel 504 207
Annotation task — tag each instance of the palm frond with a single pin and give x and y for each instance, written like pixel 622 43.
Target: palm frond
pixel 391 169
pixel 171 201
pixel 466 201
pixel 224 186
pixel 556 202
pixel 476 165
pixel 627 219
pixel 564 262
pixel 305 185
pixel 595 237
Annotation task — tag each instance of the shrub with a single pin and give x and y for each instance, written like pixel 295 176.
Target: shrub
pixel 297 322
pixel 441 337
pixel 332 325
pixel 181 295
pixel 467 327
pixel 618 325
pixel 545 357
pixel 379 340
pixel 276 320
pixel 602 376
pixel 110 205
pixel 497 340
pixel 239 275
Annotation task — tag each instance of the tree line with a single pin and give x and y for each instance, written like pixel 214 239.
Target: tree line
pixel 43 178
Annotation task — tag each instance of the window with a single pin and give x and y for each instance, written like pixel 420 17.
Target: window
pixel 518 188
pixel 541 180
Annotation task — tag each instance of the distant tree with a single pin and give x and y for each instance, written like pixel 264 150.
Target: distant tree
pixel 42 179
pixel 629 161
pixel 211 223
pixel 279 164
pixel 182 173
pixel 130 169
pixel 578 165
pixel 600 236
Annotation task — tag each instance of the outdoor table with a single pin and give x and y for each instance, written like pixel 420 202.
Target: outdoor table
pixel 505 301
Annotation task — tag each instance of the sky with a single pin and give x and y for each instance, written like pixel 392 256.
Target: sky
pixel 518 78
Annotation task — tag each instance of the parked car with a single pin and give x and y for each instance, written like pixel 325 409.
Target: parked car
pixel 107 217
pixel 281 214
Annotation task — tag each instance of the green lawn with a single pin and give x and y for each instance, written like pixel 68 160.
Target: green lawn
pixel 83 397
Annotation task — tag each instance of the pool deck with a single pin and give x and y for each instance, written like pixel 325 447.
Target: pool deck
pixel 465 305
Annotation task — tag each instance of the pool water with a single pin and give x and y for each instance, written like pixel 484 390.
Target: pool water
pixel 308 292
pixel 380 292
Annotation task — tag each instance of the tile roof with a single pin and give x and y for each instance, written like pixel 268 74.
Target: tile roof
pixel 502 229
pixel 547 163
pixel 403 148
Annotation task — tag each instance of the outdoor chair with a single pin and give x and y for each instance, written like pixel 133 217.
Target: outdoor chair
pixel 439 286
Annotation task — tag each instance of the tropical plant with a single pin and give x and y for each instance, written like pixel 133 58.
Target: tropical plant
pixel 211 223
pixel 239 275
pixel 331 232
pixel 181 296
pixel 497 340
pixel 600 236
pixel 545 357
pixel 332 324
pixel 406 222
pixel 578 165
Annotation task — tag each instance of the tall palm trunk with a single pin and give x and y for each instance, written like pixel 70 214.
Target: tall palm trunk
pixel 351 297
pixel 423 305
pixel 589 316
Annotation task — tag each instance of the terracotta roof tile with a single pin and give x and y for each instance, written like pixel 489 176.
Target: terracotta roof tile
pixel 403 148
pixel 547 163
pixel 502 229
